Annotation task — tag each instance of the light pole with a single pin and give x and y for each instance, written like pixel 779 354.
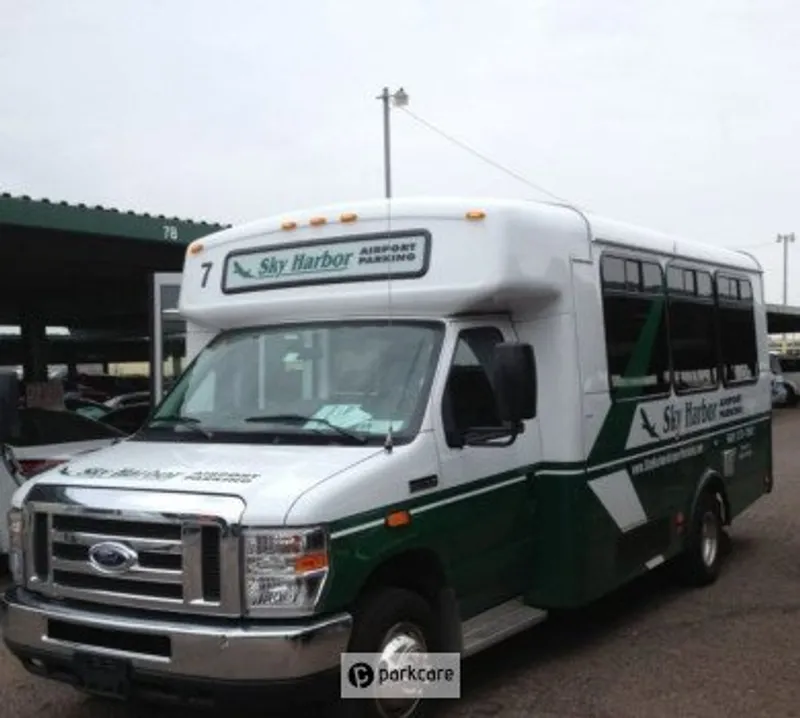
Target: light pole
pixel 785 238
pixel 399 98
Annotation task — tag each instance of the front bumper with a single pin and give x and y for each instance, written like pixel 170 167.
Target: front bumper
pixel 230 653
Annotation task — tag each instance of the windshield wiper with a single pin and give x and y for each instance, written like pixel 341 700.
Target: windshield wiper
pixel 187 421
pixel 300 419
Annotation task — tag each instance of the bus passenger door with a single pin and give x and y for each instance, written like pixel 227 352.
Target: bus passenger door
pixel 488 522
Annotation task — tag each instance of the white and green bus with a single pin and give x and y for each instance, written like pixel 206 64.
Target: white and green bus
pixel 416 424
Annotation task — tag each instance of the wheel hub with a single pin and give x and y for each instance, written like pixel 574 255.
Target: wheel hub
pixel 709 538
pixel 401 640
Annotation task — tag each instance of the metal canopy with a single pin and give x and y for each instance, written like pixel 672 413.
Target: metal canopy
pixel 86 268
pixel 81 219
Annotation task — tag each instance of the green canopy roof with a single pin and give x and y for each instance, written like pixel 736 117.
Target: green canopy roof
pixel 42 213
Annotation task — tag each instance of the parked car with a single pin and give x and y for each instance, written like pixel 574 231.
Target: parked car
pixel 46 438
pixel 85 407
pixel 785 391
pixel 779 393
pixel 112 386
pixel 136 397
pixel 790 366
pixel 128 419
pixel 87 392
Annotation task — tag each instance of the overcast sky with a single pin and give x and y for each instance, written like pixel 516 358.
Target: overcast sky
pixel 682 116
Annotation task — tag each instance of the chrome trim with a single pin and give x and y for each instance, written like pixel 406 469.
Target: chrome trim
pixel 192 564
pixel 242 651
pixel 84 538
pixel 112 598
pixel 171 510
pixel 27 545
pixel 133 574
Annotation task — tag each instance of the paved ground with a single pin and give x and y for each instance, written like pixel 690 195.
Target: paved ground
pixel 653 650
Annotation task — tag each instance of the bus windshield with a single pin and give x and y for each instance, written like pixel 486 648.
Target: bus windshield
pixel 345 382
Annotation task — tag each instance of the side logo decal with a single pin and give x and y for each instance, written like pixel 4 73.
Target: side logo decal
pixel 648 425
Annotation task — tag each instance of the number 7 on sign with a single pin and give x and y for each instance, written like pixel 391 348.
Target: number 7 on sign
pixel 206 267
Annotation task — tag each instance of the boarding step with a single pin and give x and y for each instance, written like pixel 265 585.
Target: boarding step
pixel 499 623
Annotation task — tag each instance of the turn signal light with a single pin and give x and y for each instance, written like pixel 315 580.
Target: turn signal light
pixel 311 562
pixel 397 519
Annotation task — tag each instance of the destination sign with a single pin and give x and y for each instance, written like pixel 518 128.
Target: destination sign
pixel 398 256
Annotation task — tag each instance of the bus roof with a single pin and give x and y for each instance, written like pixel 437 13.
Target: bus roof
pixel 449 256
pixel 601 228
pixel 635 237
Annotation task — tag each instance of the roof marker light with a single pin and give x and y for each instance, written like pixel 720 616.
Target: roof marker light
pixel 475 214
pixel 348 217
pixel 316 221
pixel 195 248
pixel 289 224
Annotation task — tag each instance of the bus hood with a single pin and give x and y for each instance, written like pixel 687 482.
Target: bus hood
pixel 262 475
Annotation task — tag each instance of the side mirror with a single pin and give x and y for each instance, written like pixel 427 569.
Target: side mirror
pixel 9 406
pixel 514 370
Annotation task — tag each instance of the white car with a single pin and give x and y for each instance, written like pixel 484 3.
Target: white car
pixel 46 439
pixel 785 391
pixel 779 391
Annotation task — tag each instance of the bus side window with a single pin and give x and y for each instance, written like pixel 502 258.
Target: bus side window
pixel 692 329
pixel 469 400
pixel 737 330
pixel 635 327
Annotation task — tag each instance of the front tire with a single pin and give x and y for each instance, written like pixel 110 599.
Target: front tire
pixel 392 622
pixel 702 559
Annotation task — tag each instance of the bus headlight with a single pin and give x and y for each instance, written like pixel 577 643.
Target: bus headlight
pixel 16 562
pixel 284 570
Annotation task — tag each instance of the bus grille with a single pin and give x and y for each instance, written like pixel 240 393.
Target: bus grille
pixel 181 563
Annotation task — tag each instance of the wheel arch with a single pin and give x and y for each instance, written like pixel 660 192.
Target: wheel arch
pixel 711 482
pixel 422 570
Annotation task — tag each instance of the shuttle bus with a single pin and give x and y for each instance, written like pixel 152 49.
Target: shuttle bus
pixel 411 425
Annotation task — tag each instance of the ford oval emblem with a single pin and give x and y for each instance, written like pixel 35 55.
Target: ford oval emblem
pixel 112 557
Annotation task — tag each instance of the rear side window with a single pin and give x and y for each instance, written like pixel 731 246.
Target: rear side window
pixel 634 306
pixel 683 329
pixel 692 329
pixel 737 329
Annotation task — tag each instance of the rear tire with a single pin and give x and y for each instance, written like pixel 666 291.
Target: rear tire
pixel 702 558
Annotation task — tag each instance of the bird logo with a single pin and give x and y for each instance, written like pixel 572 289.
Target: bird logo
pixel 647 425
pixel 241 271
